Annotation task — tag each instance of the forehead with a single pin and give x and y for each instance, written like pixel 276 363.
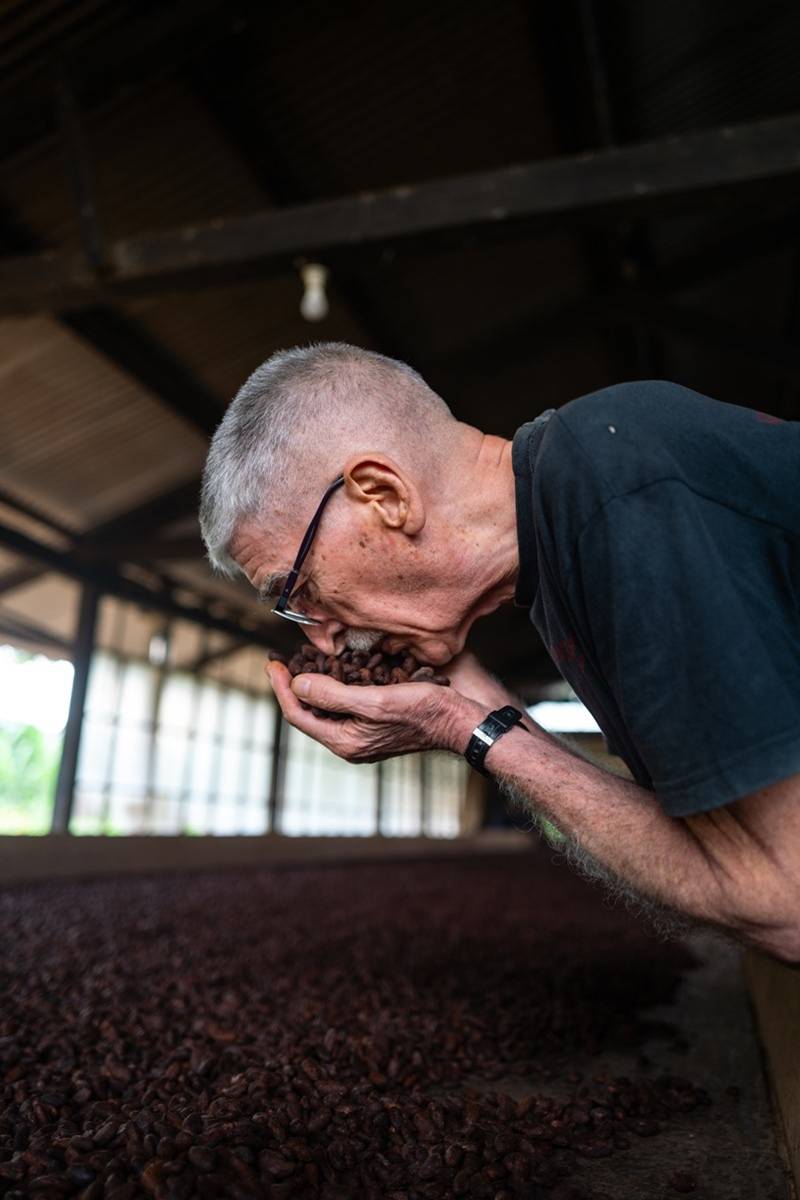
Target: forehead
pixel 259 555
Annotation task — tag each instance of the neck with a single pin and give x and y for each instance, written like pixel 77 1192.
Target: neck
pixel 485 515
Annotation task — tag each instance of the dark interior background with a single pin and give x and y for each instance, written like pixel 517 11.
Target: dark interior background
pixel 126 117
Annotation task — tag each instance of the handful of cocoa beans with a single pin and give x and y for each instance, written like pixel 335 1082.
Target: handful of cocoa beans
pixel 359 668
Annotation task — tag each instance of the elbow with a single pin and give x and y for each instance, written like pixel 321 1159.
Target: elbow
pixel 774 931
pixel 768 923
pixel 760 908
pixel 779 942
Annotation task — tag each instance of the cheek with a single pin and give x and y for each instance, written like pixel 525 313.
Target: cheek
pixel 359 578
pixel 351 566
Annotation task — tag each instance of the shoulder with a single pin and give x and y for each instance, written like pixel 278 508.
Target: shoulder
pixel 630 434
pixel 607 442
pixel 640 400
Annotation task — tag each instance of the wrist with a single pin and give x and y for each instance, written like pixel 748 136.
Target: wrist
pixel 459 719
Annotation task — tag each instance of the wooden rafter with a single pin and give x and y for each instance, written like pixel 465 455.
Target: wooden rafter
pixel 639 179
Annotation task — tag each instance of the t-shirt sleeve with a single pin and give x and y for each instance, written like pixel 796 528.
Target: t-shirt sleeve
pixel 702 690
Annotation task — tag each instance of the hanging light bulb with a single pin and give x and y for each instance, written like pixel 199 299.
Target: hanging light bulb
pixel 158 648
pixel 314 305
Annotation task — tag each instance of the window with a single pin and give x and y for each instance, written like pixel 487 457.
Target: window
pixel 324 794
pixel 166 751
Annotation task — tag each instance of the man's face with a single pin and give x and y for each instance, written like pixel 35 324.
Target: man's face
pixel 365 583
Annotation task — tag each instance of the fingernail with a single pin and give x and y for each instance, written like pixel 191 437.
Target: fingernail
pixel 301 686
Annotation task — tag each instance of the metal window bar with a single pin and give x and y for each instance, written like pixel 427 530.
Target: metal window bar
pixel 217 740
pixel 185 791
pixel 114 720
pixel 159 679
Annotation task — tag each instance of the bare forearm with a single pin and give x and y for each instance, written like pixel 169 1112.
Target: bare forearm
pixel 710 868
pixel 615 822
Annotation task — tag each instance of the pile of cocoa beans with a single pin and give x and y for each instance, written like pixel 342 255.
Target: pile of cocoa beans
pixel 361 667
pixel 340 1033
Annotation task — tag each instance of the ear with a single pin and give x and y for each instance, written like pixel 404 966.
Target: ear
pixel 378 481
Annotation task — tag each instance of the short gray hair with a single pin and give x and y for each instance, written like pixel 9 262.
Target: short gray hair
pixel 329 396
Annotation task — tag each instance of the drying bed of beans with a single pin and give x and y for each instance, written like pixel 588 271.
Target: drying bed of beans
pixel 329 1032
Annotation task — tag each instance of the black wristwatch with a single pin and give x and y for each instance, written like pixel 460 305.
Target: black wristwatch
pixel 486 734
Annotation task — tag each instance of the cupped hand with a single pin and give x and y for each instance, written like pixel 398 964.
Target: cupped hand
pixel 382 722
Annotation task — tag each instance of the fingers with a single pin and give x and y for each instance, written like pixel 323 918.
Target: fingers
pixel 281 681
pixel 377 713
pixel 331 733
pixel 320 691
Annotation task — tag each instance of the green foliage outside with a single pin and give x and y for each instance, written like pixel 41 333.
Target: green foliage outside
pixel 551 833
pixel 28 769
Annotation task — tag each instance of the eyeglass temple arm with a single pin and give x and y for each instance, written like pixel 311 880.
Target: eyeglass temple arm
pixel 291 578
pixel 312 529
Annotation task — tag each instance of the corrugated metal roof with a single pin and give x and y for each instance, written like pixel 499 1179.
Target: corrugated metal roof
pixel 148 172
pixel 675 67
pixel 32 29
pixel 77 435
pixel 353 96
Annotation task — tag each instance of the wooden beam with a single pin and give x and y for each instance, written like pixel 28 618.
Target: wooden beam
pixel 111 582
pixel 19 578
pixel 34 513
pixel 15 627
pixel 141 550
pixel 219 82
pixel 139 523
pixel 638 179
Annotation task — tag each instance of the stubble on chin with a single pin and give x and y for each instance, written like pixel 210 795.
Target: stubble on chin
pixel 362 639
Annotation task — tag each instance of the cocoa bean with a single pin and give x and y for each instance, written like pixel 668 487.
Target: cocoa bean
pixel 360 669
pixel 682 1181
pixel 202 1158
pixel 80 1175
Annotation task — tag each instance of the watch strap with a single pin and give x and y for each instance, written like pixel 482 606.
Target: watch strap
pixel 492 727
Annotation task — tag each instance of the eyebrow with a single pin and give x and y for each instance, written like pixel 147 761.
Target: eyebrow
pixel 272 585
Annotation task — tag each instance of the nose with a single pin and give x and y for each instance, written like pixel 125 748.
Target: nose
pixel 328 637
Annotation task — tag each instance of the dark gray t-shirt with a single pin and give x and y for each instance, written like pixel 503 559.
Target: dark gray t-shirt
pixel 659 537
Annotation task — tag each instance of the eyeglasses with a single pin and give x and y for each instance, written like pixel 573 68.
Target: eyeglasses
pixel 280 608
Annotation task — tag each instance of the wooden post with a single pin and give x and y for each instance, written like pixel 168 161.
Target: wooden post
pixel 278 772
pixel 82 659
pixel 424 795
pixel 775 992
pixel 379 790
pixel 153 726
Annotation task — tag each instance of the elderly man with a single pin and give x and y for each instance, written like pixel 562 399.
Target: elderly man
pixel 653 533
